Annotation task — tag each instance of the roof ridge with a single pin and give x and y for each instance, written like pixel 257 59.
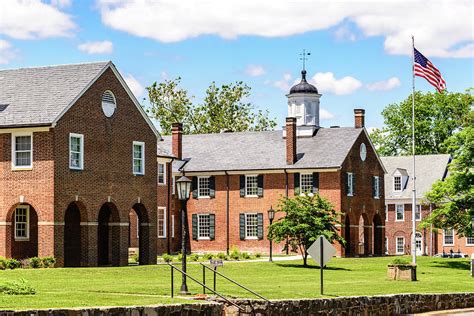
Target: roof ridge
pixel 58 65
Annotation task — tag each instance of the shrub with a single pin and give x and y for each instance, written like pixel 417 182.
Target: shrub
pixel 245 255
pixel 180 257
pixel 400 261
pixel 258 255
pixel 25 263
pixel 35 262
pixel 3 263
pixel 235 254
pixel 194 257
pixel 134 258
pixel 20 287
pixel 48 262
pixel 222 256
pixel 208 256
pixel 167 258
pixel 12 263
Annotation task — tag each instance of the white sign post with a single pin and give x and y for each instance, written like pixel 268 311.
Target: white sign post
pixel 321 251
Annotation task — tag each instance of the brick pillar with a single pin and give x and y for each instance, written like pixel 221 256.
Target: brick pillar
pixel 177 140
pixel 123 231
pixel 91 236
pixel 290 140
pixel 3 239
pixel 59 244
pixel 46 240
pixel 359 118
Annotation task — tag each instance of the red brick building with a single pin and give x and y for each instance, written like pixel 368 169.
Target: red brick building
pixel 237 177
pixel 77 155
pixel 398 199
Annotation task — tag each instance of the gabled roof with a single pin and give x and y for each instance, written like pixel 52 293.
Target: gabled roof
pixel 400 171
pixel 39 96
pixel 263 150
pixel 429 168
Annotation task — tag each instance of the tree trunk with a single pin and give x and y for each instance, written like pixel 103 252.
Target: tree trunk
pixel 305 259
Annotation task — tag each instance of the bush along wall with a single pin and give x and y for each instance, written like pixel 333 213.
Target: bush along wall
pixel 29 263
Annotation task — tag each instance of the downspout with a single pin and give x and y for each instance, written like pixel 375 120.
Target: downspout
pixel 227 213
pixel 286 196
pixel 431 232
pixel 168 205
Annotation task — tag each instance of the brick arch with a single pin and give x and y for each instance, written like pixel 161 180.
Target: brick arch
pixel 108 235
pixel 75 235
pixel 22 248
pixel 364 244
pixel 140 212
pixel 378 231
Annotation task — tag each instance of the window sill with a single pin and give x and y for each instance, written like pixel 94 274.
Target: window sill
pixel 448 245
pixel 204 197
pixel 161 184
pixel 469 245
pixel 251 238
pixel 138 174
pixel 252 196
pixel 161 237
pixel 399 220
pixel 377 197
pixel 350 194
pixel 22 239
pixel 22 168
pixel 75 169
pixel 204 238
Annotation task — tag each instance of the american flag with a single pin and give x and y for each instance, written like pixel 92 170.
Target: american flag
pixel 424 68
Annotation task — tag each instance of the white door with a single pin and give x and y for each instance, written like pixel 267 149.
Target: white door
pixel 419 244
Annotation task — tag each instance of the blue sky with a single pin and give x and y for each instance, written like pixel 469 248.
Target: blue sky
pixel 359 50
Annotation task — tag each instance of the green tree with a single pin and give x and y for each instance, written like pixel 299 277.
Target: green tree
pixel 438 116
pixel 306 218
pixel 224 108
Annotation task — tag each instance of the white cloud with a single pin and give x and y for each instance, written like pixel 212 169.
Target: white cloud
pixel 343 32
pixel 325 114
pixel 444 29
pixel 104 47
pixel 284 83
pixel 33 19
pixel 327 83
pixel 384 85
pixel 61 3
pixel 6 52
pixel 255 70
pixel 134 85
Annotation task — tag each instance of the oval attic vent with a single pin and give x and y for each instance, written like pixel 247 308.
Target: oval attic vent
pixel 108 103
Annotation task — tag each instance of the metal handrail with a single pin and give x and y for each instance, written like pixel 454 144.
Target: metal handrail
pixel 203 285
pixel 235 282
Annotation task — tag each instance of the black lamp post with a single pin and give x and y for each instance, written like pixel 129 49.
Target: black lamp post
pixel 271 216
pixel 183 186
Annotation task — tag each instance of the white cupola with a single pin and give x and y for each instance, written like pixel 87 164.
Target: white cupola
pixel 303 104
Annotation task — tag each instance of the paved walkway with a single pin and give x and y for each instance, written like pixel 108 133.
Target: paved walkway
pixel 467 311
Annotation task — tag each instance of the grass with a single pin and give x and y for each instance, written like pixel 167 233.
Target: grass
pixel 147 285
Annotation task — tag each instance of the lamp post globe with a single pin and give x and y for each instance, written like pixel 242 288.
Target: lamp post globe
pixel 271 216
pixel 183 188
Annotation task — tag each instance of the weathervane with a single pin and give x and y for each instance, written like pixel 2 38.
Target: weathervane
pixel 304 58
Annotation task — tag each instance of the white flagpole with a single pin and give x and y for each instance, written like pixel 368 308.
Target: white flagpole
pixel 413 206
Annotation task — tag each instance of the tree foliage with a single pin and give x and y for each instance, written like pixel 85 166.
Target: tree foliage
pixel 224 108
pixel 438 116
pixel 306 218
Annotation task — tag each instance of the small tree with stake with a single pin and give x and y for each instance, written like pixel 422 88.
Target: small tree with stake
pixel 306 218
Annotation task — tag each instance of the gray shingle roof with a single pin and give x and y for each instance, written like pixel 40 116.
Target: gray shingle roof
pixel 429 168
pixel 263 150
pixel 36 96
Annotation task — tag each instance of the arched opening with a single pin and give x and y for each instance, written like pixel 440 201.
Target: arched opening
pixel 347 235
pixel 73 250
pixel 139 233
pixel 363 242
pixel 419 243
pixel 108 241
pixel 23 234
pixel 378 235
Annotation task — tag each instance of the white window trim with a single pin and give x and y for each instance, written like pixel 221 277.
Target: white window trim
pixel 164 173
pixel 164 223
pixel 386 245
pixel 401 184
pixel 199 237
pixel 469 244
pixel 350 175
pixel 250 237
pixel 81 137
pixel 301 187
pixel 419 219
pixel 173 186
pixel 199 189
pixel 251 195
pixel 27 208
pixel 396 245
pixel 13 142
pixel 403 219
pixel 142 144
pixel 172 226
pixel 444 240
pixel 377 187
pixel 386 212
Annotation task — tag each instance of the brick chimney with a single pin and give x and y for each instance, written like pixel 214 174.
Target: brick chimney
pixel 177 140
pixel 359 118
pixel 290 140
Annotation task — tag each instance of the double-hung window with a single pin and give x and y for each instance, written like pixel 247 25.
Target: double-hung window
pixel 76 151
pixel 251 185
pixel 161 217
pixel 350 184
pixel 251 226
pixel 306 183
pixel 397 184
pixel 203 187
pixel 399 212
pixel 22 151
pixel 418 212
pixel 204 226
pixel 161 173
pixel 386 212
pixel 376 187
pixel 22 219
pixel 400 245
pixel 470 240
pixel 448 237
pixel 139 158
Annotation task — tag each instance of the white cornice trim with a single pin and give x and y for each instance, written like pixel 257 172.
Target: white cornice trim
pixel 261 171
pixel 25 130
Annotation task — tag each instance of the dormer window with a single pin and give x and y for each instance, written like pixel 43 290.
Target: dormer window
pixel 397 183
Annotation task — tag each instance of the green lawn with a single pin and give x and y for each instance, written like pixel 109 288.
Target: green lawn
pixel 146 285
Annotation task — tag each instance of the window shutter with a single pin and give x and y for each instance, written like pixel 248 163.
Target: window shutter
pixel 260 185
pixel 346 181
pixel 297 184
pixel 242 226
pixel 315 182
pixel 353 184
pixel 212 187
pixel 260 226
pixel 374 190
pixel 195 187
pixel 242 186
pixel 195 226
pixel 212 226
